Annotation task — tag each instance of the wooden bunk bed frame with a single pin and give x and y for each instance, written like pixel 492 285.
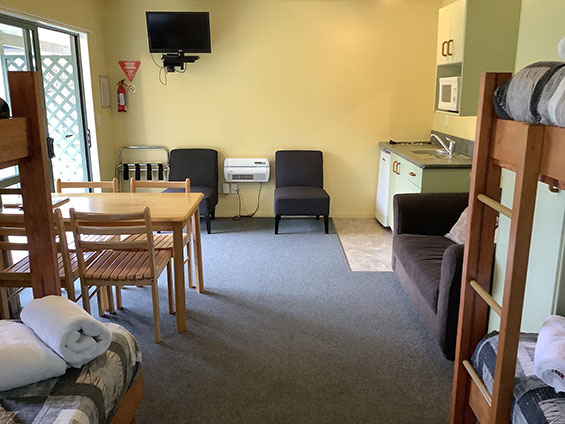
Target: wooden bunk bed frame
pixel 535 153
pixel 22 143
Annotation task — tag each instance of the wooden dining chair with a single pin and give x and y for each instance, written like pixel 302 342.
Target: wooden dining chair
pixel 165 241
pixel 17 276
pixel 121 263
pixel 112 185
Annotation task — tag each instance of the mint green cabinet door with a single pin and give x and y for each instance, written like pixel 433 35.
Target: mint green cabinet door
pixel 393 184
pixel 402 180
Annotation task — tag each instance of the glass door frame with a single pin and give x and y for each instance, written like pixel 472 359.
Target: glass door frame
pixel 33 57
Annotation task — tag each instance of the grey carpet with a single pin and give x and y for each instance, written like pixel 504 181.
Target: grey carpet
pixel 287 334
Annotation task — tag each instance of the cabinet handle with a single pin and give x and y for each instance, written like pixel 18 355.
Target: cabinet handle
pixel 394 167
pixel 398 169
pixel 449 44
pixel 443 45
pixel 411 174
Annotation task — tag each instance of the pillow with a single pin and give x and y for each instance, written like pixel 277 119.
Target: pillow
pixel 458 232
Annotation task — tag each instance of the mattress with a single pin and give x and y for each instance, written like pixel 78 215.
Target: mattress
pixel 535 94
pixel 87 395
pixel 534 401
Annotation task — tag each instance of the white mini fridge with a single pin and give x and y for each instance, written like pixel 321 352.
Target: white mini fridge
pixel 381 210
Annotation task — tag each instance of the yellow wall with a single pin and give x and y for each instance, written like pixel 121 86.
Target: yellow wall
pixel 87 16
pixel 338 76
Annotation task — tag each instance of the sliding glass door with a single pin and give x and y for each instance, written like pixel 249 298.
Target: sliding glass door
pixel 63 103
pixel 55 54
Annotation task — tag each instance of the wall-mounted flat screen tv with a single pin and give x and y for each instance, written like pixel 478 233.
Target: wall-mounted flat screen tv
pixel 187 32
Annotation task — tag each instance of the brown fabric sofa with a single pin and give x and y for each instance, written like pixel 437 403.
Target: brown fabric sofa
pixel 428 264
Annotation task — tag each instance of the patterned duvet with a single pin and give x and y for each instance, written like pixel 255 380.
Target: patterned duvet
pixel 82 396
pixel 534 402
pixel 536 94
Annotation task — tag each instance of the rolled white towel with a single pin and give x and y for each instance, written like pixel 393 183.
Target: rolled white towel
pixel 24 359
pixel 549 358
pixel 67 329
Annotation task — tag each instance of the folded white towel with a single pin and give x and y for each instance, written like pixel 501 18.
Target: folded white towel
pixel 67 329
pixel 24 359
pixel 549 358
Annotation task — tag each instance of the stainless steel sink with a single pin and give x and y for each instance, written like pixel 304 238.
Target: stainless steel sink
pixel 436 154
pixel 428 151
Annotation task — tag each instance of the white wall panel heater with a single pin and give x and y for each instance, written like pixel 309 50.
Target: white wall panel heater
pixel 246 170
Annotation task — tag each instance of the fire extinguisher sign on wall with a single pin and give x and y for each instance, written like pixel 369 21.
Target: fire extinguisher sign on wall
pixel 130 68
pixel 122 99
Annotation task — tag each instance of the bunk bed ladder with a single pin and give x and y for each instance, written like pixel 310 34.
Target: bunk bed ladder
pixel 471 399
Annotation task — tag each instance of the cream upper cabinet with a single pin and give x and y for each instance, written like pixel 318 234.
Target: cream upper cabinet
pixel 456 42
pixel 475 36
pixel 451 27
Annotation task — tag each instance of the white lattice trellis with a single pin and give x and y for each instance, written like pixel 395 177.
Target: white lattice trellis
pixel 63 114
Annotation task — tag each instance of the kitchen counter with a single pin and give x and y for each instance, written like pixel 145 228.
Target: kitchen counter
pixel 428 159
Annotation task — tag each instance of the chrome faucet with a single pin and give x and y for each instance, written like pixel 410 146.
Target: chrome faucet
pixel 448 149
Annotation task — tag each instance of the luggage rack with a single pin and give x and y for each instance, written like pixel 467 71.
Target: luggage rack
pixel 141 170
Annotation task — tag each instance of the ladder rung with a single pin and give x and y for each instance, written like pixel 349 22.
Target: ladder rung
pixel 497 206
pixel 480 385
pixel 486 297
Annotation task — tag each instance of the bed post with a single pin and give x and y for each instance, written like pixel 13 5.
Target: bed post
pixel 523 207
pixel 34 178
pixel 479 249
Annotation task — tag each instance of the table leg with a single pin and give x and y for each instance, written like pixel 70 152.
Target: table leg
pixel 180 294
pixel 198 251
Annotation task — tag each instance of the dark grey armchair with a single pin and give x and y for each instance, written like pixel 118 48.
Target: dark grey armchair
pixel 429 265
pixel 201 166
pixel 299 179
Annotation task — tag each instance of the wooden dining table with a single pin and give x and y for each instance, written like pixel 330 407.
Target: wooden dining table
pixel 169 212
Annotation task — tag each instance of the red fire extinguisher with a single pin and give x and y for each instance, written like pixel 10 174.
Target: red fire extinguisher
pixel 122 100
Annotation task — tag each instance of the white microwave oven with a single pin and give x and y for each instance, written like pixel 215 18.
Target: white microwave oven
pixel 448 94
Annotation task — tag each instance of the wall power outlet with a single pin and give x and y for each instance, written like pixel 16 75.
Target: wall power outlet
pixel 226 188
pixel 234 188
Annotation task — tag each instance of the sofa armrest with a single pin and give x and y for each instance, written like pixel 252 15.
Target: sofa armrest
pixel 448 298
pixel 427 213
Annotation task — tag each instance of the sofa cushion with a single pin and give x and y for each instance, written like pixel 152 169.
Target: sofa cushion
pixel 421 257
pixel 301 200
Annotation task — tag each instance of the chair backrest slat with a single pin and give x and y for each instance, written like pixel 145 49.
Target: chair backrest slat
pixel 115 245
pixel 138 229
pixel 107 217
pixel 135 184
pixel 11 231
pixel 9 245
pixel 60 185
pixel 10 191
pixel 7 219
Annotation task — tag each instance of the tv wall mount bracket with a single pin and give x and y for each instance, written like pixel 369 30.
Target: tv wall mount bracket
pixel 172 60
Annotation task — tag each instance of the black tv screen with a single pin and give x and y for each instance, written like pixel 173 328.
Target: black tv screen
pixel 187 32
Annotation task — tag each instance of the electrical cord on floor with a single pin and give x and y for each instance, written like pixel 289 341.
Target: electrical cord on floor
pixel 239 215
